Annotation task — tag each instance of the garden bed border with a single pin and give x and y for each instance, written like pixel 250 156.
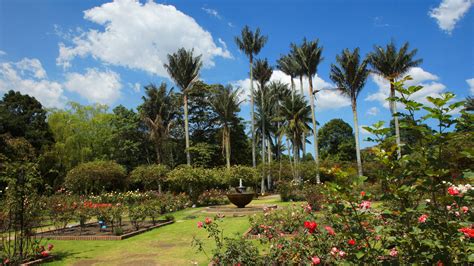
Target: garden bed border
pixel 112 237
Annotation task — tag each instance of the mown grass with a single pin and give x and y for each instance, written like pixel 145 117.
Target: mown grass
pixel 168 245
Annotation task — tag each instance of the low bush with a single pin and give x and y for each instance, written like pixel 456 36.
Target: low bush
pixel 148 177
pixel 193 180
pixel 96 177
pixel 213 197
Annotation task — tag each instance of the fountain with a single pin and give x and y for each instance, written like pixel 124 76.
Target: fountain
pixel 240 198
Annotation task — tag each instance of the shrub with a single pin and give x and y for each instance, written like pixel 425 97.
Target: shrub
pixel 212 197
pixel 249 175
pixel 95 177
pixel 314 196
pixel 193 180
pixel 290 191
pixel 61 209
pixel 148 177
pixel 153 209
pixel 137 214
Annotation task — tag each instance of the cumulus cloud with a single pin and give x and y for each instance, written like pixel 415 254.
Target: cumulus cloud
pixel 95 86
pixel 449 12
pixel 29 77
pixel 325 99
pixel 139 36
pixel 373 111
pixel 430 82
pixel 2 53
pixel 470 82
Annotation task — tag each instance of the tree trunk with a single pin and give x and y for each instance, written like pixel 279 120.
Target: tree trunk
pixel 252 114
pixel 315 132
pixel 296 159
pixel 186 129
pixel 289 157
pixel 158 152
pixel 263 138
pixel 292 89
pixel 269 174
pixel 356 131
pixel 304 135
pixel 227 147
pixel 393 110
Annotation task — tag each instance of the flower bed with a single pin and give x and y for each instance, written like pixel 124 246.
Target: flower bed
pixel 92 231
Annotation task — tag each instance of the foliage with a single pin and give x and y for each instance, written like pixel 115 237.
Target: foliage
pixel 336 141
pixel 23 116
pixel 137 214
pixel 212 197
pixel 194 180
pixel 148 177
pixel 95 177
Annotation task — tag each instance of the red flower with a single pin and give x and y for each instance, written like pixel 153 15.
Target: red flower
pixel 469 232
pixel 50 247
pixel 453 191
pixel 208 220
pixel 330 230
pixel 311 226
pixel 45 253
pixel 465 209
pixel 200 224
pixel 315 260
pixel 422 218
pixel 351 242
pixel 439 263
pixel 362 193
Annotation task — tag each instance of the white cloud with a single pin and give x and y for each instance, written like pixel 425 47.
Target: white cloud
pixel 449 12
pixel 2 53
pixel 135 86
pixel 373 111
pixel 139 36
pixel 325 99
pixel 28 77
pixel 95 86
pixel 429 81
pixel 211 12
pixel 470 82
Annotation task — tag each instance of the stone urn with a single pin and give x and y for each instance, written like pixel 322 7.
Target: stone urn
pixel 240 198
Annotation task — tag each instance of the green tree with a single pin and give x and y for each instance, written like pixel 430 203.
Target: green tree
pixel 337 141
pixel 184 67
pixel 251 43
pixel 295 116
pixel 350 75
pixel 225 103
pixel 82 134
pixel 23 116
pixel 288 65
pixel 159 111
pixel 391 64
pixel 148 177
pixel 309 55
pixel 263 72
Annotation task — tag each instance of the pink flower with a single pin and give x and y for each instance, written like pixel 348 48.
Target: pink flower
pixel 394 252
pixel 365 205
pixel 453 191
pixel 6 261
pixel 448 207
pixel 457 214
pixel 315 260
pixel 351 242
pixel 422 218
pixel 330 230
pixel 464 209
pixel 334 251
pixel 45 253
pixel 308 208
pixel 50 247
pixel 200 224
pixel 208 220
pixel 342 254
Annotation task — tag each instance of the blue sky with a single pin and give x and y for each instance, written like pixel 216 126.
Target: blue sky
pixel 97 51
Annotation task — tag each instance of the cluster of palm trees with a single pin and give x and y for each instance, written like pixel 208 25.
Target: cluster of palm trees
pixel 282 112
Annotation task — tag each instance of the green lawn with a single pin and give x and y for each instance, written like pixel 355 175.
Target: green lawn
pixel 168 245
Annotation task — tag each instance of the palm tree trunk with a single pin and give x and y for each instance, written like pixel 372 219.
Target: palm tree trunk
pixel 356 130
pixel 263 137
pixel 304 135
pixel 227 146
pixel 393 110
pixel 269 174
pixel 186 129
pixel 292 89
pixel 289 157
pixel 315 132
pixel 296 158
pixel 252 114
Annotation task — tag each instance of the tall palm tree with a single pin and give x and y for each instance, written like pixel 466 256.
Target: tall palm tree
pixel 288 65
pixel 296 115
pixel 391 64
pixel 308 55
pixel 158 112
pixel 225 102
pixel 251 43
pixel 263 72
pixel 183 67
pixel 350 75
pixel 300 72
